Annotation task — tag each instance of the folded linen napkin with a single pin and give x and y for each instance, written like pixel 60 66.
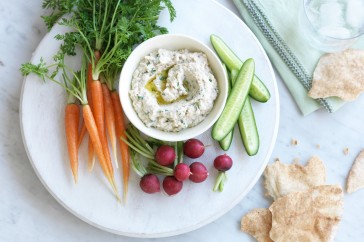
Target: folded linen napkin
pixel 276 25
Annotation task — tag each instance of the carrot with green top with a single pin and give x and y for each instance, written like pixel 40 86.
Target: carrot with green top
pixel 77 88
pixel 99 115
pixel 91 156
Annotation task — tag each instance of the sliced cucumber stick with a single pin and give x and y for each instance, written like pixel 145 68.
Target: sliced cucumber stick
pixel 247 125
pixel 248 129
pixel 226 142
pixel 235 101
pixel 258 90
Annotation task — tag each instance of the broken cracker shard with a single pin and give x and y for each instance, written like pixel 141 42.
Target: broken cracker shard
pixel 339 75
pixel 282 179
pixel 355 179
pixel 301 211
pixel 311 215
pixel 258 223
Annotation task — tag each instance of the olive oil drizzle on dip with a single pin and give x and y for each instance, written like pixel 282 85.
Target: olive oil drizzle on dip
pixel 150 86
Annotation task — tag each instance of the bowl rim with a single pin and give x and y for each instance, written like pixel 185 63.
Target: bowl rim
pixel 177 136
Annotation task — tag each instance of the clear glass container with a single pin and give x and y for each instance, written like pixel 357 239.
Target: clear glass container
pixel 332 25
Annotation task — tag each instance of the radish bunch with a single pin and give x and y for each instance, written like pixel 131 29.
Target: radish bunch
pixel 167 160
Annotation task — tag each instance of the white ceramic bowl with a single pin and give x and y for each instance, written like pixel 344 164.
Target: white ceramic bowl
pixel 172 42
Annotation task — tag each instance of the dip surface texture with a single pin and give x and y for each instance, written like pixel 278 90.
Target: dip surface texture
pixel 173 90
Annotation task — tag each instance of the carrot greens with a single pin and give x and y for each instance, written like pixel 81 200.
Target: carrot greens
pixel 112 27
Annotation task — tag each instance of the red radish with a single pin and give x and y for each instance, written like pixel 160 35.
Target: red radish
pixel 193 148
pixel 171 185
pixel 165 155
pixel 181 171
pixel 150 184
pixel 198 172
pixel 223 162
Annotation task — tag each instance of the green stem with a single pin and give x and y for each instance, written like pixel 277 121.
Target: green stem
pixel 135 133
pixel 136 165
pixel 155 168
pixel 176 151
pixel 135 143
pixel 136 149
pixel 71 98
pixel 180 150
pixel 155 142
pixel 220 180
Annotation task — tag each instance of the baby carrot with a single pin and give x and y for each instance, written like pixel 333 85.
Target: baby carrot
pixel 96 141
pixel 120 132
pixel 110 120
pixel 89 98
pixel 82 134
pixel 72 117
pixel 98 111
pixel 94 135
pixel 90 156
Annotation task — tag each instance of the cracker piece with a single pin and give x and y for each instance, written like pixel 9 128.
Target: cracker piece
pixel 258 223
pixel 312 215
pixel 282 179
pixel 355 179
pixel 340 75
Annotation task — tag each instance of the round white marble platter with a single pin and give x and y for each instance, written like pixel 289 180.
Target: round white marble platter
pixel 42 123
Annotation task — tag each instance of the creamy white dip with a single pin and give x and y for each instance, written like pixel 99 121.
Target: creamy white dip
pixel 173 90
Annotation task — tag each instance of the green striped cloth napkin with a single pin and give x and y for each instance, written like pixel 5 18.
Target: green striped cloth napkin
pixel 275 23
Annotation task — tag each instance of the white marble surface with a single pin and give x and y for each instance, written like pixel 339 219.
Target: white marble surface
pixel 29 213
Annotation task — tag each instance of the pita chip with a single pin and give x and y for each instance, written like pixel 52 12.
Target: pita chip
pixel 312 215
pixel 258 223
pixel 340 75
pixel 355 179
pixel 282 179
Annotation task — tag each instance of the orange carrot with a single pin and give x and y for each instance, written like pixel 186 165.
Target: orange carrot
pixel 110 120
pixel 72 117
pixel 96 141
pixel 98 111
pixel 120 132
pixel 89 98
pixel 91 156
pixel 82 134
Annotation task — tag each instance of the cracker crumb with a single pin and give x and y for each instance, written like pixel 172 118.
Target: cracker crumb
pixel 294 142
pixel 346 151
pixel 318 146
